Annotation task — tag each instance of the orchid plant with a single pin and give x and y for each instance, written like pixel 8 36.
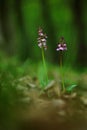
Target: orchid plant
pixel 63 47
pixel 42 44
pixel 42 39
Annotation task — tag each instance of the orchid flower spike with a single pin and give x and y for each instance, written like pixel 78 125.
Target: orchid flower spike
pixel 61 45
pixel 42 39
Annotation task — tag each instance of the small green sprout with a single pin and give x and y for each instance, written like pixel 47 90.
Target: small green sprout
pixel 42 44
pixel 70 88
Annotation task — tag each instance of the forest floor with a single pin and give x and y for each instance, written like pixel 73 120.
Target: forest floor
pixel 38 108
pixel 48 109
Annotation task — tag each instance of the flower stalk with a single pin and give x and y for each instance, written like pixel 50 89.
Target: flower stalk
pixel 44 63
pixel 62 74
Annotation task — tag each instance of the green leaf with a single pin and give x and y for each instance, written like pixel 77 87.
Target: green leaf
pixel 70 88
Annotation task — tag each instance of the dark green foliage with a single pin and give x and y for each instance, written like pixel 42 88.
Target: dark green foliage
pixel 20 21
pixel 9 95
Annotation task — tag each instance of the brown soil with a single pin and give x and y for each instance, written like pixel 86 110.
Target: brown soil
pixel 53 113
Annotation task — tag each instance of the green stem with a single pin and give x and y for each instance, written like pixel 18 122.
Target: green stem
pixel 62 75
pixel 44 63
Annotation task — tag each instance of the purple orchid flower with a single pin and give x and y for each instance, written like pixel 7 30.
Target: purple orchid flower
pixel 42 39
pixel 61 45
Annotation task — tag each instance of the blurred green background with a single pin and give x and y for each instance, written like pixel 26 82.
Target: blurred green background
pixel 20 20
pixel 19 51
